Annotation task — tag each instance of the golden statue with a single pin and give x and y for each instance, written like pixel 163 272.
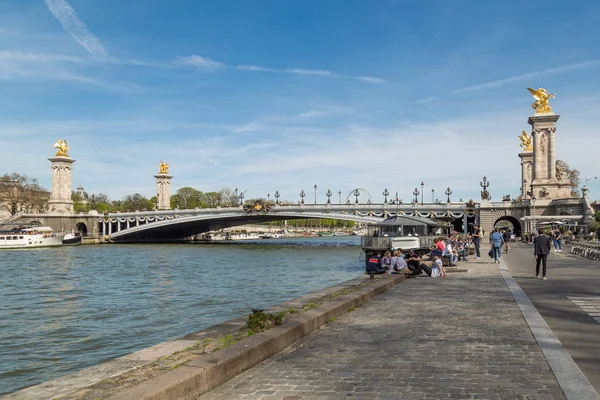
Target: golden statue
pixel 541 97
pixel 63 148
pixel 526 141
pixel 164 168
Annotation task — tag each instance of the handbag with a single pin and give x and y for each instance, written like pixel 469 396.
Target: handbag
pixel 491 253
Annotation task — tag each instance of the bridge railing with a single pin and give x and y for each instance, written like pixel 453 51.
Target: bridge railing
pixel 589 250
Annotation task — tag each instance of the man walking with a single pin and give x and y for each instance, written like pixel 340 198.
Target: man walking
pixel 541 248
pixel 497 241
pixel 506 237
pixel 476 240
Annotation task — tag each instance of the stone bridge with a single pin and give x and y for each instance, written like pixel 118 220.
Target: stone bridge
pixel 176 224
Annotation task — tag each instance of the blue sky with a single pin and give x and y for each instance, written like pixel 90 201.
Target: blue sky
pixel 283 95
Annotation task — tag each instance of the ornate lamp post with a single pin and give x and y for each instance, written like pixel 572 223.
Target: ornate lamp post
pixel 268 197
pixel 485 184
pixel 219 198
pixel 356 194
pixel 340 194
pixel 241 198
pixel 328 194
pixel 277 197
pixel 315 194
pixel 432 195
pixel 385 194
pixel 448 193
pixel 302 194
pixel 235 193
pixel 422 186
pixel 416 194
pixel 589 179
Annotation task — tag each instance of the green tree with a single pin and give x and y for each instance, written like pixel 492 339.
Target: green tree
pixel 135 202
pixel 20 193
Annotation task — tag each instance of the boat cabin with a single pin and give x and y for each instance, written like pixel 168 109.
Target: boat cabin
pixel 403 232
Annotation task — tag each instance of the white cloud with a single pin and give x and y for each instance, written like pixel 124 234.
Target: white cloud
pixel 556 70
pixel 200 62
pixel 75 27
pixel 319 72
pixel 370 79
pixel 313 114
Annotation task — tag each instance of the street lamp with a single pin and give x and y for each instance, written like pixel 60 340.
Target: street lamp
pixel 277 197
pixel 328 194
pixel 268 197
pixel 589 179
pixel 448 193
pixel 340 194
pixel 356 194
pixel 302 194
pixel 432 195
pixel 315 194
pixel 219 197
pixel 385 194
pixel 422 186
pixel 416 194
pixel 241 198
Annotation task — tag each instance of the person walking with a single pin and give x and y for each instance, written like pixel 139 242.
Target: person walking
pixel 506 237
pixel 541 248
pixel 497 241
pixel 557 240
pixel 477 240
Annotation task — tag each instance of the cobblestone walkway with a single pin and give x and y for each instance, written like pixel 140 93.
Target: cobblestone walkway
pixel 457 338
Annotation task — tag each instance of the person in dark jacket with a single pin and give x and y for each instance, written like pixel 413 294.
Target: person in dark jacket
pixel 374 265
pixel 541 245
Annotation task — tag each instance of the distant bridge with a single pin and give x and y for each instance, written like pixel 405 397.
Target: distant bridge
pixel 177 224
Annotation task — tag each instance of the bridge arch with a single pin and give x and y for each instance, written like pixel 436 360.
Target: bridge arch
pixel 516 224
pixel 82 228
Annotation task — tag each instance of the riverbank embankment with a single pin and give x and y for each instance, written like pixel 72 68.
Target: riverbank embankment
pixel 203 360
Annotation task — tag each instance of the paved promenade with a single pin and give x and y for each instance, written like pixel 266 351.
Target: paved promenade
pixel 463 337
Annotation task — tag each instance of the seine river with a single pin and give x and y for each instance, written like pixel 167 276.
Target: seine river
pixel 65 309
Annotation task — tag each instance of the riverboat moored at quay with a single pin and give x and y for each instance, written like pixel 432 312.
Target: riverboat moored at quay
pixel 28 237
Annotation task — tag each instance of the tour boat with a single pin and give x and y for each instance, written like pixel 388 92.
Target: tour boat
pixel 29 237
pixel 403 232
pixel 72 239
pixel 244 236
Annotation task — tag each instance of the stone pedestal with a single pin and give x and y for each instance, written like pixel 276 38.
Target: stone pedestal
pixel 60 197
pixel 163 191
pixel 545 183
pixel 526 173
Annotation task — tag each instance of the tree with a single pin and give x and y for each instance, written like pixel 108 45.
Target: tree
pixel 573 177
pixel 135 202
pixel 188 197
pixel 79 203
pixel 19 193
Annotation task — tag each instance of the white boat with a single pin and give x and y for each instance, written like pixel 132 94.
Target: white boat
pixel 72 239
pixel 244 236
pixel 20 237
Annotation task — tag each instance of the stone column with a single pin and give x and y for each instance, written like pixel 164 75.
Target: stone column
pixel 526 172
pixel 551 154
pixel 163 191
pixel 544 155
pixel 60 197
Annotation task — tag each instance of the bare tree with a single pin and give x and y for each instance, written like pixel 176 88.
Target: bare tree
pixel 22 193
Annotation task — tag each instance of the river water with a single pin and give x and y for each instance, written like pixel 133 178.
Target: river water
pixel 64 309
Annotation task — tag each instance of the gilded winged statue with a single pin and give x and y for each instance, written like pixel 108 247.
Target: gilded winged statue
pixel 63 148
pixel 526 141
pixel 164 168
pixel 541 97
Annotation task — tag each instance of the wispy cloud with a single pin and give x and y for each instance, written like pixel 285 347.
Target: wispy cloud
pixel 425 100
pixel 313 114
pixel 75 27
pixel 200 62
pixel 370 79
pixel 302 71
pixel 18 56
pixel 556 70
